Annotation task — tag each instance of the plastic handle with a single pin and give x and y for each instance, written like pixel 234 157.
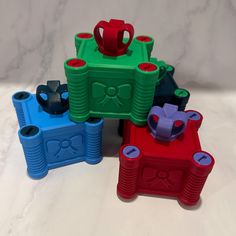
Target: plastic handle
pixel 54 103
pixel 111 42
pixel 97 35
pixel 169 122
pixel 130 29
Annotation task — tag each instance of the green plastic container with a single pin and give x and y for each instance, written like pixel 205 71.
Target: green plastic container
pixel 112 87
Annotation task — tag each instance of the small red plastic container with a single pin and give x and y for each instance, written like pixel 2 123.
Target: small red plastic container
pixel 178 168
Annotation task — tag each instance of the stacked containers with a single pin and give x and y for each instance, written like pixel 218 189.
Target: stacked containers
pixel 116 77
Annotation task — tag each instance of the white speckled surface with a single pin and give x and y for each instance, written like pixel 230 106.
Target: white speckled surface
pixel 198 38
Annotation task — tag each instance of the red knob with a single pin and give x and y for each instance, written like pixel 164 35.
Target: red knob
pixel 111 42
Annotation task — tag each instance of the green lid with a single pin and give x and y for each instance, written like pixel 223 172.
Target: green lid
pixel 181 93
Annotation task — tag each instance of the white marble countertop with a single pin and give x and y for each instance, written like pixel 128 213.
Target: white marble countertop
pixel 198 38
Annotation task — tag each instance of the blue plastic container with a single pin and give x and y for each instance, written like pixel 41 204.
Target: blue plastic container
pixel 51 141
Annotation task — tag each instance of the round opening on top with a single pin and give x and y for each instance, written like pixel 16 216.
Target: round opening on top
pixel 148 67
pixel 181 93
pixel 202 158
pixel 29 131
pixel 21 95
pixel 76 63
pixel 193 115
pixel 170 68
pixel 144 38
pixel 131 151
pixel 84 35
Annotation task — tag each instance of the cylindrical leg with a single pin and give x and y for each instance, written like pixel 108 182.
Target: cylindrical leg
pixel 77 78
pixel 31 139
pixel 196 117
pixel 181 97
pixel 146 80
pixel 80 39
pixel 202 164
pixel 18 100
pixel 147 41
pixel 128 174
pixel 94 140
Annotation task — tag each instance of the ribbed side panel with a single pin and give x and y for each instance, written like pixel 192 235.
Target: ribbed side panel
pixel 20 114
pixel 126 187
pixel 142 101
pixel 78 96
pixel 192 189
pixel 94 148
pixel 36 163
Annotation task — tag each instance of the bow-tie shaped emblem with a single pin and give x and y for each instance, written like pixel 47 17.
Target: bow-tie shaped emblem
pixel 162 178
pixel 114 94
pixel 58 148
pixel 166 123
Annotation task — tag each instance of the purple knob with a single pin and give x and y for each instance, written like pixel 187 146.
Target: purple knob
pixel 202 158
pixel 131 151
pixel 193 115
pixel 166 123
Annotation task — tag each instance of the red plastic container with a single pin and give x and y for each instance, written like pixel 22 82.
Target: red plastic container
pixel 178 168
